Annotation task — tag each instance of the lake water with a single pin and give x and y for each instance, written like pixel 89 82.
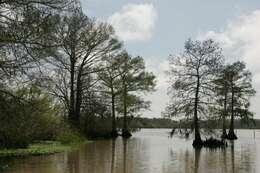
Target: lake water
pixel 149 151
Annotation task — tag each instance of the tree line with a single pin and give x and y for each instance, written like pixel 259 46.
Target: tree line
pixel 60 69
pixel 204 87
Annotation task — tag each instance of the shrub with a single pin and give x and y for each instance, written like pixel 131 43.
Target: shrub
pixel 97 127
pixel 27 115
pixel 69 137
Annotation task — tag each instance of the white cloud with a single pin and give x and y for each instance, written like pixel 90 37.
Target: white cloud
pixel 134 22
pixel 159 98
pixel 240 40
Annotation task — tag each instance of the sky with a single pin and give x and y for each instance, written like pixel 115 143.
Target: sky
pixel 154 29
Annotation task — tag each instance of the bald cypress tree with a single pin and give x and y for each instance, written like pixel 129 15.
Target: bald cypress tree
pixel 192 74
pixel 240 87
pixel 134 79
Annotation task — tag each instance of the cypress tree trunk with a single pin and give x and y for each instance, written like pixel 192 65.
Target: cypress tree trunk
pixel 125 110
pixel 125 131
pixel 114 131
pixel 231 133
pixel 78 105
pixel 197 141
pixel 72 94
pixel 78 100
pixel 224 132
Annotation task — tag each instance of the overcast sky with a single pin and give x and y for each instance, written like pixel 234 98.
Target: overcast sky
pixel 154 29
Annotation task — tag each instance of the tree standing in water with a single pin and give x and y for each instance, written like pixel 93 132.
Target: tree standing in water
pixel 240 87
pixel 109 77
pixel 222 94
pixel 192 74
pixel 134 79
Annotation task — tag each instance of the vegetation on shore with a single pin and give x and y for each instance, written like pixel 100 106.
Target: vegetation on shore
pixel 67 72
pixel 35 149
pixel 66 76
pixel 65 141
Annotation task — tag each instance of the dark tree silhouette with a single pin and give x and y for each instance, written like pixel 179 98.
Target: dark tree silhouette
pixel 109 77
pixel 83 44
pixel 240 87
pixel 133 79
pixel 222 95
pixel 192 74
pixel 26 35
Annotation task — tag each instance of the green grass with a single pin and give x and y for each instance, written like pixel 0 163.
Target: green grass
pixel 39 148
pixel 36 149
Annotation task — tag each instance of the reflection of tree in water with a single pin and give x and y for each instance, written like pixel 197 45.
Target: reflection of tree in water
pixel 181 161
pixel 113 155
pixel 247 161
pixel 239 161
pixel 187 161
pixel 73 162
pixel 197 160
pixel 232 156
pixel 124 155
pixel 134 157
pixel 95 157
pixel 224 160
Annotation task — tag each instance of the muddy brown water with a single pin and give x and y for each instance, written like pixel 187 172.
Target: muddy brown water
pixel 149 151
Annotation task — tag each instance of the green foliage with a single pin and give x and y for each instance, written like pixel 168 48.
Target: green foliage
pixel 97 127
pixel 192 74
pixel 27 115
pixel 35 149
pixel 69 137
pixel 233 91
pixel 134 80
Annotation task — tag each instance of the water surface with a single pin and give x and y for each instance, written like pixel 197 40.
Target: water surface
pixel 149 151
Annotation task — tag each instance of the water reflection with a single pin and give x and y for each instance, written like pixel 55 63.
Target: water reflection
pixel 124 155
pixel 73 162
pixel 197 160
pixel 149 151
pixel 113 155
pixel 224 160
pixel 232 156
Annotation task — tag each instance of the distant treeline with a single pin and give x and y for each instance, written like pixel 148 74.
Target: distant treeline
pixel 153 123
pixel 238 124
pixel 168 123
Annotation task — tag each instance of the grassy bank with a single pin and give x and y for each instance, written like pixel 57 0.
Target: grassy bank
pixel 39 148
pixel 36 149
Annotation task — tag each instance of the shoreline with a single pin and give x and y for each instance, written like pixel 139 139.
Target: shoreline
pixel 38 149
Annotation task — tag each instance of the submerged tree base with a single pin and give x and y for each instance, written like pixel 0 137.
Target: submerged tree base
pixel 197 143
pixel 224 135
pixel 209 143
pixel 126 134
pixel 231 135
pixel 114 134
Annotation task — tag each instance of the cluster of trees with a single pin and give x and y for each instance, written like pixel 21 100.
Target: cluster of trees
pixel 203 87
pixel 59 67
pixel 142 122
